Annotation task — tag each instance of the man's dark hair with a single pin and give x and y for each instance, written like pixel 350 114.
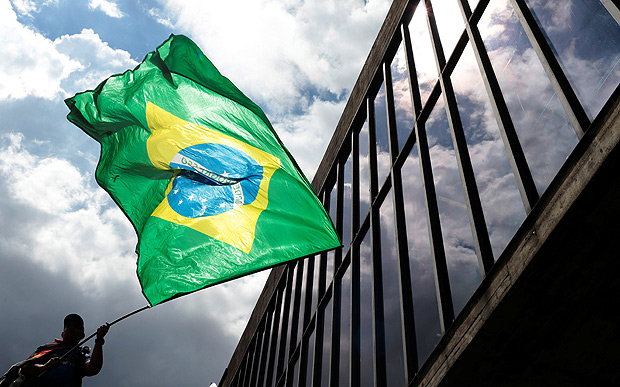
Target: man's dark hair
pixel 74 320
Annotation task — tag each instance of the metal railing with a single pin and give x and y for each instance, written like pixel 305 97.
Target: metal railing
pixel 311 324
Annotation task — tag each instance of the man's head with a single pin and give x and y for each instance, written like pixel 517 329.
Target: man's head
pixel 73 330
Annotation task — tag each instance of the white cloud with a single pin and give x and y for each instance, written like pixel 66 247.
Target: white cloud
pixel 51 185
pixel 36 66
pixel 107 7
pixel 31 65
pixel 289 57
pixel 156 14
pixel 559 12
pixel 310 131
pixel 25 7
pixel 98 60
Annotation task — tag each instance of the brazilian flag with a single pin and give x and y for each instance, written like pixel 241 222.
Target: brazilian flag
pixel 210 189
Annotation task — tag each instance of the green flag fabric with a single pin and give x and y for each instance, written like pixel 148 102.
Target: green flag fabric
pixel 199 171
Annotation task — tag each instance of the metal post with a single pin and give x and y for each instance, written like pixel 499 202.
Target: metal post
pixel 482 243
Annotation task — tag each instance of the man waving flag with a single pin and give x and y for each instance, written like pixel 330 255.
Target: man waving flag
pixel 199 171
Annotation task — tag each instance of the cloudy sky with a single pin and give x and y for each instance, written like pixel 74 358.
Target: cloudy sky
pixel 65 247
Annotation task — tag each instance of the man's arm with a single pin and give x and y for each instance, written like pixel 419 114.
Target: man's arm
pixel 94 365
pixel 31 369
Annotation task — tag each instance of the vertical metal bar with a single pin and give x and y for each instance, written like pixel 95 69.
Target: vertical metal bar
pixel 323 263
pixel 266 342
pixel 247 380
pixel 372 151
pixel 375 243
pixel 391 114
pixel 414 87
pixel 520 168
pixel 296 307
pixel 308 282
pixel 410 356
pixel 318 346
pixel 282 361
pixel 264 357
pixel 250 355
pixel 563 89
pixel 482 243
pixel 245 370
pixel 339 209
pixel 293 366
pixel 240 373
pixel 355 183
pixel 289 380
pixel 334 362
pixel 257 354
pixel 613 7
pixel 235 381
pixel 320 312
pixel 322 276
pixel 355 333
pixel 303 360
pixel 440 267
pixel 274 334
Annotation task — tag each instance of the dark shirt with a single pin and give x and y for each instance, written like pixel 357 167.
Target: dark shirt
pixel 68 374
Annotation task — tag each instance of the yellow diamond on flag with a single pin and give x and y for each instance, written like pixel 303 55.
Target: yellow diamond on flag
pixel 220 184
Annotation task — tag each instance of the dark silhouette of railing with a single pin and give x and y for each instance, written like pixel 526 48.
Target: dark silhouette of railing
pixel 311 323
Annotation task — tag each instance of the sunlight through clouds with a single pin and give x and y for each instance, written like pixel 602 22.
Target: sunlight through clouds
pixel 273 49
pixel 297 60
pixel 70 210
